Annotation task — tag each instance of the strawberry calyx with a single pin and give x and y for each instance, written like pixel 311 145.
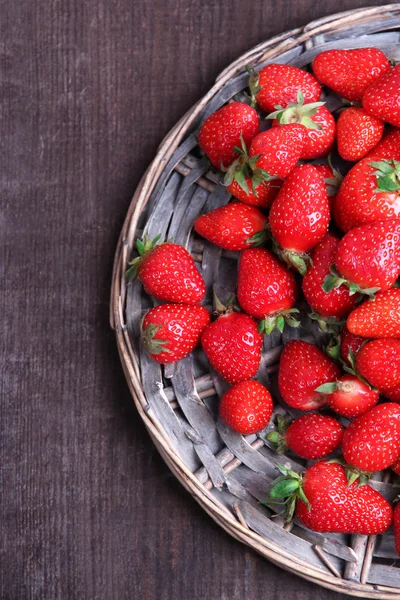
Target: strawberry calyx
pixel 332 349
pixel 286 490
pixel 278 436
pixel 327 324
pixel 224 309
pixel 278 321
pixel 334 280
pixel 297 112
pixel 353 474
pixel 254 86
pixel 152 344
pixel 333 183
pixel 345 386
pixel 244 168
pixel 143 247
pixel 387 173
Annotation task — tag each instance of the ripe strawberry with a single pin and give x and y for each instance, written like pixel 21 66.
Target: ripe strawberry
pixel 266 290
pixel 350 72
pixel 234 226
pixel 396 527
pixel 388 147
pixel 377 318
pixel 223 130
pixel 382 97
pixel 278 149
pixel 367 258
pixel 378 362
pixel 349 396
pixel 246 407
pixel 332 179
pixel 357 133
pixel 396 467
pixel 372 441
pixel 171 331
pixel 167 272
pixel 337 303
pixel 263 195
pixel 325 502
pixel 299 216
pixel 233 346
pixel 303 367
pixel 393 393
pixel 320 126
pixel 279 84
pixel 369 192
pixel 349 342
pixel 311 436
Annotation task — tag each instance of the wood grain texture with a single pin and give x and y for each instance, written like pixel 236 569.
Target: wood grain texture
pixel 88 90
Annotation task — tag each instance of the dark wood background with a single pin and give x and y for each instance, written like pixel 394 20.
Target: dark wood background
pixel 88 90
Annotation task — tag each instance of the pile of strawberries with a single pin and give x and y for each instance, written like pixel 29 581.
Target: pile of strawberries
pixel 302 228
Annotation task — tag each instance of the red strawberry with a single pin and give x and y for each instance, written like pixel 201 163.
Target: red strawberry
pixel 303 367
pixel 223 130
pixel 233 346
pixel 368 258
pixel 266 289
pixel 171 331
pixel 357 133
pixel 396 467
pixel 388 147
pixel 369 192
pixel 377 318
pixel 349 342
pixel 167 272
pixel 393 393
pixel 263 195
pixel 337 303
pixel 382 97
pixel 299 216
pixel 332 179
pixel 279 84
pixel 372 441
pixel 278 149
pixel 396 527
pixel 311 436
pixel 378 362
pixel 320 126
pixel 349 396
pixel 246 407
pixel 350 72
pixel 325 502
pixel 234 226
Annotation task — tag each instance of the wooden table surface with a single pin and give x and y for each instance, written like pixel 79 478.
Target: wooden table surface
pixel 88 90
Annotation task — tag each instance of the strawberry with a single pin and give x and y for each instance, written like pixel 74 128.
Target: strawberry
pixel 171 331
pixel 233 346
pixel 299 215
pixel 393 393
pixel 377 318
pixel 378 361
pixel 369 192
pixel 264 193
pixel 367 258
pixel 336 303
pixel 246 407
pixel 350 72
pixel 223 130
pixel 167 272
pixel 372 441
pixel 303 367
pixel 266 290
pixel 357 133
pixel 324 501
pixel 234 226
pixel 382 97
pixel 349 342
pixel 388 147
pixel 320 126
pixel 396 527
pixel 311 436
pixel 396 467
pixel 332 179
pixel 278 84
pixel 349 396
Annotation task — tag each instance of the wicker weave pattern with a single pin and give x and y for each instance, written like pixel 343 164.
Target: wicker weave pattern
pixel 226 473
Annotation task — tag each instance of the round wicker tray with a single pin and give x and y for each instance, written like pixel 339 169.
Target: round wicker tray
pixel 226 473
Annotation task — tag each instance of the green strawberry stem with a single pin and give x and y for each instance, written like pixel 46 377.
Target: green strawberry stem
pixel 352 474
pixel 332 349
pixel 327 324
pixel 278 320
pixel 286 490
pixel 277 437
pixel 297 112
pixel 298 260
pixel 253 85
pixel 335 280
pixel 152 344
pixel 387 173
pixel 143 247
